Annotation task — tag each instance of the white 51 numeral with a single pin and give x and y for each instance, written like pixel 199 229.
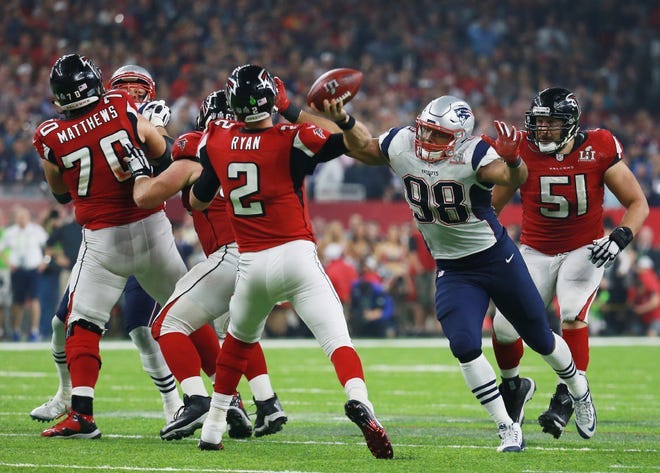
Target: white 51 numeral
pixel 561 204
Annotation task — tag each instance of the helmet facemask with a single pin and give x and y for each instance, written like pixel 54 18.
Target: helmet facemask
pixel 426 149
pixel 136 81
pixel 450 118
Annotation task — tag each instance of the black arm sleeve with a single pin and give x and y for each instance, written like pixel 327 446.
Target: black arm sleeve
pixel 63 198
pixel 332 148
pixel 162 163
pixel 208 183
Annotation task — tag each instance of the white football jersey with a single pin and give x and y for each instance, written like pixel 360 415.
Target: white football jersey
pixel 451 208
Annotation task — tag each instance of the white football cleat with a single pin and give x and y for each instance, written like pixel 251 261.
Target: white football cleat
pixel 50 410
pixel 212 430
pixel 585 415
pixel 511 437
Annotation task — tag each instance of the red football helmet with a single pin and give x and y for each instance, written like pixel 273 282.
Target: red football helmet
pixel 136 80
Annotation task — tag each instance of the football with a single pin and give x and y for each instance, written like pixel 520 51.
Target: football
pixel 340 83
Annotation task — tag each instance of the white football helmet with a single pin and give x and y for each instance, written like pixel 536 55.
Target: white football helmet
pixel 136 80
pixel 448 115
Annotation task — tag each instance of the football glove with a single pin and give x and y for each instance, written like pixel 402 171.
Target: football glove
pixel 283 104
pixel 605 250
pixel 138 164
pixel 157 112
pixel 506 144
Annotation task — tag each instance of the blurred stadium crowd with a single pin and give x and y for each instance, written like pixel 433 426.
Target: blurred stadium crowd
pixel 496 55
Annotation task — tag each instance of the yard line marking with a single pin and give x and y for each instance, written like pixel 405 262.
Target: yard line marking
pixel 407 445
pixel 135 468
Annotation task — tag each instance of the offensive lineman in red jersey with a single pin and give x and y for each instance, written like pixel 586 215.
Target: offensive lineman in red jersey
pixel 562 239
pixel 82 158
pixel 202 296
pixel 261 168
pixel 139 307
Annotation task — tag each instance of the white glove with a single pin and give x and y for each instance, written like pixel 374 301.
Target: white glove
pixel 157 112
pixel 138 164
pixel 605 250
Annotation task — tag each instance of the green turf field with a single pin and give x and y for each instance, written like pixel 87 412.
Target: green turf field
pixel 434 422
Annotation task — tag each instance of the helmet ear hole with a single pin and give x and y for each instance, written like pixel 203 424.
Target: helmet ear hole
pixel 251 93
pixel 75 82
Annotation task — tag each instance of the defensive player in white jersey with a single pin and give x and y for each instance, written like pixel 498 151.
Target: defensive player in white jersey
pixel 568 170
pixel 447 175
pixel 139 306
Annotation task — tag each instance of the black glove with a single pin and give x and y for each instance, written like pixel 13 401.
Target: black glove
pixel 605 250
pixel 138 164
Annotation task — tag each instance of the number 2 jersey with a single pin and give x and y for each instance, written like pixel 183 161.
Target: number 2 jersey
pixel 562 199
pixel 88 150
pixel 452 209
pixel 262 174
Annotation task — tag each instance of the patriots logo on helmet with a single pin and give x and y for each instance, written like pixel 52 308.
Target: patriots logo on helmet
pixel 463 112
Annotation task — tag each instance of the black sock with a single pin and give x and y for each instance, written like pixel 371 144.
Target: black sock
pixel 83 405
pixel 512 383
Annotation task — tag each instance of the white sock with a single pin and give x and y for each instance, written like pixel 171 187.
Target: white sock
pixel 356 389
pixel 194 386
pixel 220 405
pixel 561 361
pixel 155 365
pixel 480 378
pixel 57 342
pixel 261 387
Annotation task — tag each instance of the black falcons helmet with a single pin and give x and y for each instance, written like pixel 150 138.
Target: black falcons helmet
pixel 251 93
pixel 75 82
pixel 214 107
pixel 554 102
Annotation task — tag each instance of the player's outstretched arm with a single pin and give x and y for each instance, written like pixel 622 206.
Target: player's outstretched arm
pixel 152 192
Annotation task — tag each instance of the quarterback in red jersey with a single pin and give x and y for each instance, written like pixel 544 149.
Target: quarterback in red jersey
pixel 562 239
pixel 261 168
pixel 202 296
pixel 83 162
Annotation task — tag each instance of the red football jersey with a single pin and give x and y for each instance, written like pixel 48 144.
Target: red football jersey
pixel 88 151
pixel 562 199
pixel 212 225
pixel 262 175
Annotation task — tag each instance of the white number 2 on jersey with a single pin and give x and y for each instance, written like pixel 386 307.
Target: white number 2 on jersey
pixel 250 173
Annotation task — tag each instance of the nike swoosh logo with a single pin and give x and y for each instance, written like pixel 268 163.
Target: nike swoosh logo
pixel 508 260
